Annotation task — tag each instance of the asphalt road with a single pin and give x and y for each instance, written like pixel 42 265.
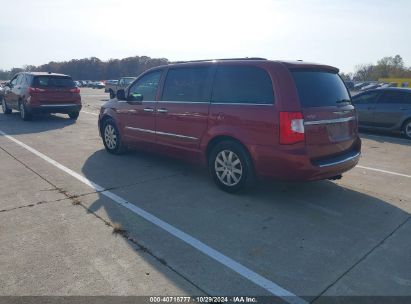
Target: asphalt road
pixel 343 238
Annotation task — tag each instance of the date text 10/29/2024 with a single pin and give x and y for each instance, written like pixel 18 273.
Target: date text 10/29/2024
pixel 202 299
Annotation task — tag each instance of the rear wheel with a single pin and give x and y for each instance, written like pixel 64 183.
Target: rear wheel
pixel 6 109
pixel 111 137
pixel 74 115
pixel 407 129
pixel 112 95
pixel 230 167
pixel 24 113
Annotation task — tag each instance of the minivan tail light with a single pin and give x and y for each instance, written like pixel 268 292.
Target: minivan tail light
pixel 75 90
pixel 291 128
pixel 35 90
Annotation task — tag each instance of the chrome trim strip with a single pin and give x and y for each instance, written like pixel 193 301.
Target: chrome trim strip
pixel 217 103
pixel 183 102
pixel 242 104
pixel 340 161
pixel 141 130
pixel 162 133
pixel 60 105
pixel 177 135
pixel 328 121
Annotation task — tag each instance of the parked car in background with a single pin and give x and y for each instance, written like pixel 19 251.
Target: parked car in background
pixel 41 92
pixel 97 85
pixel 386 109
pixel 359 85
pixel 349 85
pixel 371 86
pixel 121 84
pixel 243 118
pixel 109 84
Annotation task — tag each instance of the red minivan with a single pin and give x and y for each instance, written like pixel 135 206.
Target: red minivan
pixel 41 92
pixel 243 118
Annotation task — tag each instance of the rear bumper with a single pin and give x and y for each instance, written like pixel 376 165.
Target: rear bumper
pixel 55 108
pixel 295 165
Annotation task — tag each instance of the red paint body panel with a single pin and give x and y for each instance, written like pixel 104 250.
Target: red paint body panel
pixel 185 130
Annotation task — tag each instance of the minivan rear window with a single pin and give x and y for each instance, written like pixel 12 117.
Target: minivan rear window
pixel 320 88
pixel 53 81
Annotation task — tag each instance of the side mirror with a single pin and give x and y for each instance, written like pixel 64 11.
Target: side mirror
pixel 121 95
pixel 135 98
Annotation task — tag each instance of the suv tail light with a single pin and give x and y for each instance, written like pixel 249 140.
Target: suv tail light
pixel 75 90
pixel 35 90
pixel 291 128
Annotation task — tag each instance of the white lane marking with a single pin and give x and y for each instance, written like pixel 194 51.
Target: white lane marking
pixel 245 272
pixel 384 171
pixel 91 113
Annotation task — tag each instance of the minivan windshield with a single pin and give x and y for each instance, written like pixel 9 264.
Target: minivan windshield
pixel 320 88
pixel 53 81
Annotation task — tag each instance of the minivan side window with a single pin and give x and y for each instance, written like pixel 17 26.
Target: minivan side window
pixel 242 84
pixel 147 86
pixel 188 85
pixel 366 98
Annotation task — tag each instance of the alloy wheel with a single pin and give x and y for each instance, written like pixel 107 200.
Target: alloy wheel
pixel 228 168
pixel 110 137
pixel 407 129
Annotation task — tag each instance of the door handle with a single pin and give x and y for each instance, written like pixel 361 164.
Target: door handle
pixel 162 110
pixel 148 110
pixel 403 109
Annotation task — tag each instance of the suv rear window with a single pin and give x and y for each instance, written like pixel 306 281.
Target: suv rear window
pixel 320 88
pixel 53 81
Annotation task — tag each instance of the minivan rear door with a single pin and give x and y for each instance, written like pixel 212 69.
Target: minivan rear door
pixel 182 112
pixel 330 121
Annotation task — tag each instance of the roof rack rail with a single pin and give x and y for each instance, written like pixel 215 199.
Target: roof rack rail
pixel 222 59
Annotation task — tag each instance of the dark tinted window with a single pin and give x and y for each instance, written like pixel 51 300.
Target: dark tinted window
pixel 188 84
pixel 392 97
pixel 147 86
pixel 365 98
pixel 242 84
pixel 53 81
pixel 320 88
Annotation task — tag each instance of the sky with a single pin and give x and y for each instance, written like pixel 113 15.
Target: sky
pixel 339 33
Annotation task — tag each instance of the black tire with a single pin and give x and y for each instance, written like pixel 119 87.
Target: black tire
pixel 6 109
pixel 24 112
pixel 74 115
pixel 406 129
pixel 226 172
pixel 113 144
pixel 112 95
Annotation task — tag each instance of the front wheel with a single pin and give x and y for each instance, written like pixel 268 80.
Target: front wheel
pixel 6 109
pixel 231 167
pixel 74 115
pixel 24 113
pixel 111 137
pixel 407 129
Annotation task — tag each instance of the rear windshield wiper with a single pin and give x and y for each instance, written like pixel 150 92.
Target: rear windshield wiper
pixel 343 100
